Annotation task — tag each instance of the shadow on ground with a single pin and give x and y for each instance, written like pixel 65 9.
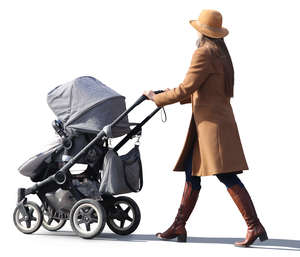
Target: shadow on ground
pixel 274 244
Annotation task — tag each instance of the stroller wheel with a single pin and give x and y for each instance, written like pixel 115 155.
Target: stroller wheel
pixel 124 217
pixel 34 220
pixel 51 223
pixel 87 218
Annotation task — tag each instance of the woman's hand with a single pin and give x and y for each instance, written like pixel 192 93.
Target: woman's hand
pixel 150 94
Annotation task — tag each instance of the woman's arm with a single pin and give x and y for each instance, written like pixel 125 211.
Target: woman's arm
pixel 198 72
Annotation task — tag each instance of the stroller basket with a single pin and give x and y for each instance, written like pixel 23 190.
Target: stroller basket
pixel 122 174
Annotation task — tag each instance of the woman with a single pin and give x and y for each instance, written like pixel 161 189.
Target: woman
pixel 212 145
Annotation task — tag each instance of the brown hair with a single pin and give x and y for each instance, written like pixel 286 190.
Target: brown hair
pixel 219 49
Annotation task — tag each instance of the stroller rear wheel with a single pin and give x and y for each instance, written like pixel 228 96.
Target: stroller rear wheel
pixel 124 217
pixel 32 222
pixel 87 218
pixel 51 223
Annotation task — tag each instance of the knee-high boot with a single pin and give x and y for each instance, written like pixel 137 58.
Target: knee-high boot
pixel 245 205
pixel 177 229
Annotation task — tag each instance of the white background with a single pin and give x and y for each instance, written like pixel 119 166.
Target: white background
pixel 136 45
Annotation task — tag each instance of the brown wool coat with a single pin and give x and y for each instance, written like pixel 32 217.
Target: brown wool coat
pixel 218 148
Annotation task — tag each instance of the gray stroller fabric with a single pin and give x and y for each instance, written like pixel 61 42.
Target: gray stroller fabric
pixel 88 188
pixel 35 166
pixel 121 174
pixel 87 105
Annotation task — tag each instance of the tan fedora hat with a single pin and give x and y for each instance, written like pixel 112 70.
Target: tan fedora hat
pixel 209 24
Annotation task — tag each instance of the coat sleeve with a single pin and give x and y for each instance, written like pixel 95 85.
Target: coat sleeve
pixel 186 100
pixel 198 72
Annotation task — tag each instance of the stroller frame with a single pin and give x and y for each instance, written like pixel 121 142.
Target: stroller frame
pixel 63 175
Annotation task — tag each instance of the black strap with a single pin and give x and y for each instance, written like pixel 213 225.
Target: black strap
pixel 161 111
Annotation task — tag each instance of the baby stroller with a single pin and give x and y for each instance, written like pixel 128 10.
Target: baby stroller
pixel 89 114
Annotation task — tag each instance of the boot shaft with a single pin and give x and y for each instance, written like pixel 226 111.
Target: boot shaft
pixel 245 205
pixel 188 202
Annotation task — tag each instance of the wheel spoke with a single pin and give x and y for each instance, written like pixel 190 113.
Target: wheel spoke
pixel 91 210
pixel 88 227
pixel 22 219
pixel 80 221
pixel 31 212
pixel 119 207
pixel 28 223
pixel 50 221
pixel 127 209
pixel 129 218
pixel 94 220
pixel 122 223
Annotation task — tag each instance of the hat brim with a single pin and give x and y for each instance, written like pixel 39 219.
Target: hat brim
pixel 209 31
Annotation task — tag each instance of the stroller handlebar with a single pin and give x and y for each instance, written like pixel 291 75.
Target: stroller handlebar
pixel 158 91
pixel 143 97
pixel 139 101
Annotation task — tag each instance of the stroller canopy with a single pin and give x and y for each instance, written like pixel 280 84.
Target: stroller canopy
pixel 87 105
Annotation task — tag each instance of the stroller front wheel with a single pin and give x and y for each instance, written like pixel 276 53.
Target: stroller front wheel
pixel 31 223
pixel 51 223
pixel 87 218
pixel 124 216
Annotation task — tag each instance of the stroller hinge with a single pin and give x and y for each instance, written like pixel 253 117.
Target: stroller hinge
pixel 137 142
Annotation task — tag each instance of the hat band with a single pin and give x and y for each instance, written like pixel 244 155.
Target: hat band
pixel 214 29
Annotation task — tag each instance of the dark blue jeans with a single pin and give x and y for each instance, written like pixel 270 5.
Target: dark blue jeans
pixel 228 179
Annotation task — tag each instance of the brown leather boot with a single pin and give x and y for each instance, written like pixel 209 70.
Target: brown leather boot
pixel 244 203
pixel 177 229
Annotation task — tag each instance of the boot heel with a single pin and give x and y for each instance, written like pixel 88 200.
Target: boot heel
pixel 263 237
pixel 181 238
